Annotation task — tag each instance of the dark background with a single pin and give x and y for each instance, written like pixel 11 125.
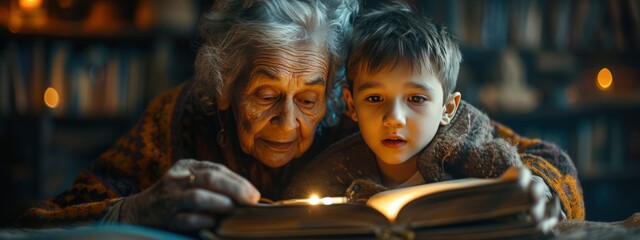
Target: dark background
pixel 531 64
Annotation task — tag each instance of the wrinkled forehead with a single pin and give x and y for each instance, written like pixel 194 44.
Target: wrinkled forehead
pixel 301 59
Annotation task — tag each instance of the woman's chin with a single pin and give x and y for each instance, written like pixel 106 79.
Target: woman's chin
pixel 274 156
pixel 274 159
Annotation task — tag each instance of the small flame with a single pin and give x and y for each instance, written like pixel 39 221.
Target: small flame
pixel 314 200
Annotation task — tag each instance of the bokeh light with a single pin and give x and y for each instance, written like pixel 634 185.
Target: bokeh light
pixel 51 98
pixel 605 79
pixel 30 4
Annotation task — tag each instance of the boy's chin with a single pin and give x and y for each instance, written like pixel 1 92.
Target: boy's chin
pixel 394 160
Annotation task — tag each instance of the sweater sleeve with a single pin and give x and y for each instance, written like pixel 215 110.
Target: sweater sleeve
pixel 136 161
pixel 553 165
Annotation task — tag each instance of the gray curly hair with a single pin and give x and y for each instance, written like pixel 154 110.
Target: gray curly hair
pixel 234 29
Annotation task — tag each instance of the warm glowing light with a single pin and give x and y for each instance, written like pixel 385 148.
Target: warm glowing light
pixel 605 79
pixel 327 201
pixel 51 98
pixel 314 200
pixel 30 4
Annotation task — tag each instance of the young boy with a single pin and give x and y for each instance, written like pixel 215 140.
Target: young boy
pixel 401 73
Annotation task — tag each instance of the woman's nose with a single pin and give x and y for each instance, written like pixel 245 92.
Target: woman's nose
pixel 285 117
pixel 395 115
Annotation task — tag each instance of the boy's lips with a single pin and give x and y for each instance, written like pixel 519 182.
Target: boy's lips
pixel 393 142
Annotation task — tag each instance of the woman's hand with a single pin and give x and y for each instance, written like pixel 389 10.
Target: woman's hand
pixel 188 197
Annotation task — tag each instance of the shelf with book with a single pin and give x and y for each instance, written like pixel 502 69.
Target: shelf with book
pixel 539 24
pixel 535 65
pixel 99 18
pixel 97 58
pixel 75 77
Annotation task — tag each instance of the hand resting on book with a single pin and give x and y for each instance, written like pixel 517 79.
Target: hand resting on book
pixel 177 203
pixel 545 211
pixel 509 206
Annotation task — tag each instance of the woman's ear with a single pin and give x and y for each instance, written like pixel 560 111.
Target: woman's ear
pixel 223 104
pixel 346 93
pixel 450 107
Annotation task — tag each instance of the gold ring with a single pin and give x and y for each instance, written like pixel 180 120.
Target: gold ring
pixel 192 180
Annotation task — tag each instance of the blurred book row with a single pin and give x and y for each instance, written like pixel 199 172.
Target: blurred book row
pixel 93 81
pixel 540 24
pixel 91 58
pixel 99 17
pixel 602 145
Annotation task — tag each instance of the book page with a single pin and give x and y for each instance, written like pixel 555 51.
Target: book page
pixel 390 202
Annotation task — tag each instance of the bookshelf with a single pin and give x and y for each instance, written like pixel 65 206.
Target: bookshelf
pixel 535 65
pixel 74 76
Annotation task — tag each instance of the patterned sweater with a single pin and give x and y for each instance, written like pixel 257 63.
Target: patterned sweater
pixel 470 146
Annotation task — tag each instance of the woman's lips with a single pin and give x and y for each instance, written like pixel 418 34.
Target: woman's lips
pixel 278 146
pixel 393 142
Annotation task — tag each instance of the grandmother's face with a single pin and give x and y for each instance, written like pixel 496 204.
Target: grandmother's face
pixel 281 104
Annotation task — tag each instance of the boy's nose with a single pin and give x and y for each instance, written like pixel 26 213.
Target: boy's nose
pixel 395 115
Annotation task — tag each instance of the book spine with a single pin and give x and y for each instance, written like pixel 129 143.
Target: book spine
pixel 5 86
pixel 60 56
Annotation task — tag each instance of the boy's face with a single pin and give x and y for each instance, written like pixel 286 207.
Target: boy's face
pixel 398 111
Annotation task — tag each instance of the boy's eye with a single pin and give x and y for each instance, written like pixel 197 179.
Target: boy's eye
pixel 417 99
pixel 373 99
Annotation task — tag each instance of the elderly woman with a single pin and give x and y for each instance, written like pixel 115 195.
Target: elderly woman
pixel 264 80
pixel 265 85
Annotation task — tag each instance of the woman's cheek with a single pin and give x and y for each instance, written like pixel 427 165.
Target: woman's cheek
pixel 318 112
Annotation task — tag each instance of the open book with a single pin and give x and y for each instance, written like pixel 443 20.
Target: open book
pixel 467 208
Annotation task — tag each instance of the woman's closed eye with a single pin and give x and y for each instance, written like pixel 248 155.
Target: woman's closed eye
pixel 266 97
pixel 306 103
pixel 307 100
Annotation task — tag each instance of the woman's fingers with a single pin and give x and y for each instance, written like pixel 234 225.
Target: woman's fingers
pixel 218 178
pixel 198 199
pixel 189 196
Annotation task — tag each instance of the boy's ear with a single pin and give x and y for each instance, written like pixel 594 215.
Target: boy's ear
pixel 346 93
pixel 450 107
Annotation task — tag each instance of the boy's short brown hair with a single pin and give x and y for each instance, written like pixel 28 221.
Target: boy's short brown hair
pixel 395 33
